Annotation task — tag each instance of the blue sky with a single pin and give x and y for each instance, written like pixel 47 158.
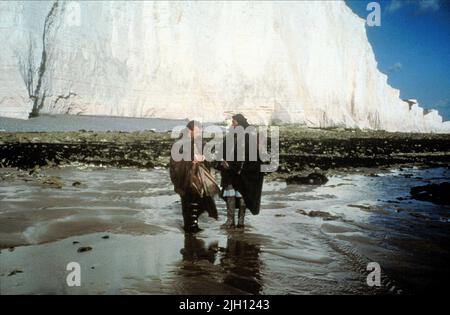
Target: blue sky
pixel 412 46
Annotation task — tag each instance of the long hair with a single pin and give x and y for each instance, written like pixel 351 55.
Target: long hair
pixel 241 120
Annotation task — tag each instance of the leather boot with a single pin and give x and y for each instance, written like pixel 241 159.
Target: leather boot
pixel 190 216
pixel 241 213
pixel 231 206
pixel 194 220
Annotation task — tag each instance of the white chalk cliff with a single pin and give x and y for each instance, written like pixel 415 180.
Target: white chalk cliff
pixel 304 62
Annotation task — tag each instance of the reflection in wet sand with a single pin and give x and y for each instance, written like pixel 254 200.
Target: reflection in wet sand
pixel 242 265
pixel 234 268
pixel 195 249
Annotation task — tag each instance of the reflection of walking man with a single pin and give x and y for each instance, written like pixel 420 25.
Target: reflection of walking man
pixel 192 180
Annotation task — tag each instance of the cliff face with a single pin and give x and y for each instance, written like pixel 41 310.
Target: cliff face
pixel 303 62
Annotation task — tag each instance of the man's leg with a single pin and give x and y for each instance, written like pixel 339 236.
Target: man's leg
pixel 241 213
pixel 185 202
pixel 231 206
pixel 195 213
pixel 190 215
pixel 230 199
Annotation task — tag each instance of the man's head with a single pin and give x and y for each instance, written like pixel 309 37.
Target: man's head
pixel 194 129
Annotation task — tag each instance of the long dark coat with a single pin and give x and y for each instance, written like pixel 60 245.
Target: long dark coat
pixel 245 176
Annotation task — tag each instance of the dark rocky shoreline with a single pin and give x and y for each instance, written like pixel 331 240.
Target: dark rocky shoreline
pixel 301 150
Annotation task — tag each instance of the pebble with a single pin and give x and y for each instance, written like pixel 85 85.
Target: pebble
pixel 84 249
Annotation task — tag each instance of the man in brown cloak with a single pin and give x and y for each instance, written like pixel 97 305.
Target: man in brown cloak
pixel 192 180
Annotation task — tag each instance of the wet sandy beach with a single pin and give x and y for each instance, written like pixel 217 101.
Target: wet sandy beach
pixel 307 239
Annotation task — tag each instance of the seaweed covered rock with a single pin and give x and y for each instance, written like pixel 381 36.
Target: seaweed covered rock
pixel 435 193
pixel 311 179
